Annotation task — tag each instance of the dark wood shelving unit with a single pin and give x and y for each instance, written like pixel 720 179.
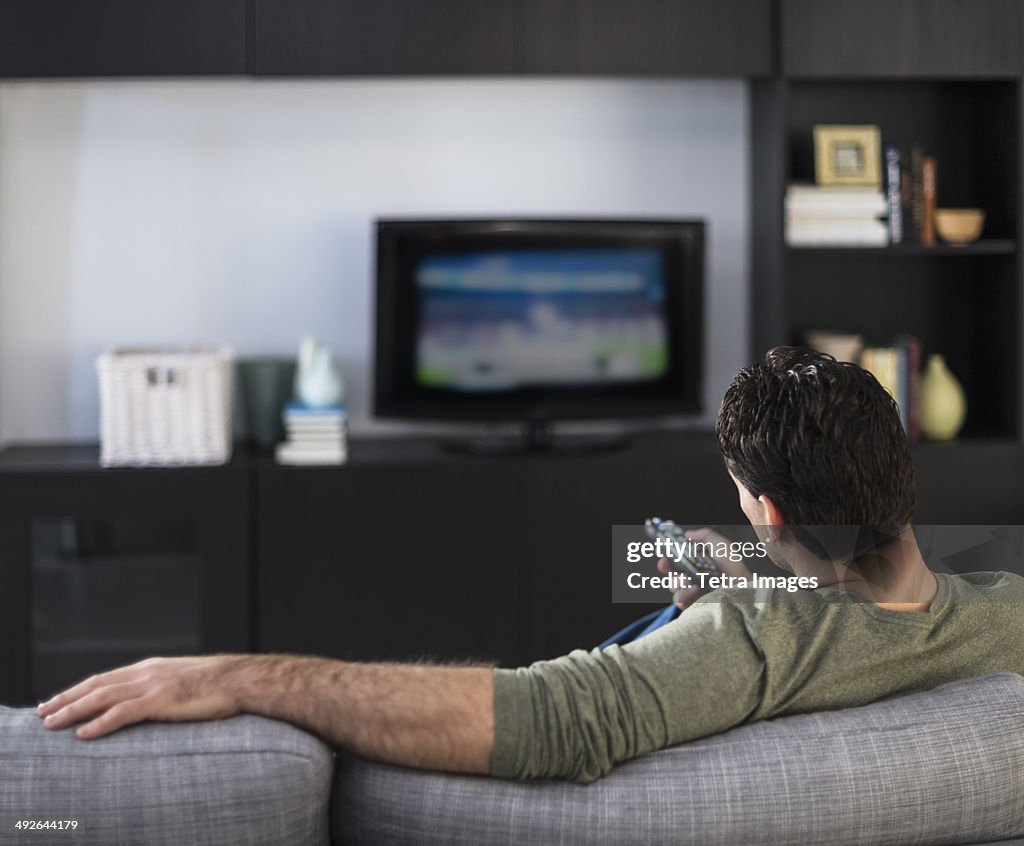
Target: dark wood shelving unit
pixel 122 38
pixel 901 39
pixel 382 37
pixel 647 37
pixel 963 302
pixel 986 247
pixel 307 38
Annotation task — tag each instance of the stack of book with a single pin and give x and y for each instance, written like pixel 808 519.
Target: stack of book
pixel 818 216
pixel 911 188
pixel 897 368
pixel 314 435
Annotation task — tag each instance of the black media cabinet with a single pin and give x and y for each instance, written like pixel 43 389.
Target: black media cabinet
pixel 406 551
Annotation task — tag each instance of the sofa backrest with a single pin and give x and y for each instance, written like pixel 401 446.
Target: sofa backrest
pixel 943 766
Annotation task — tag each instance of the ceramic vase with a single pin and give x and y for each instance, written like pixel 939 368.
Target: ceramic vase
pixel 943 406
pixel 318 383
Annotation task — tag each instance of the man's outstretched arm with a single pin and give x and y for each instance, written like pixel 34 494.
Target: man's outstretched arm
pixel 424 716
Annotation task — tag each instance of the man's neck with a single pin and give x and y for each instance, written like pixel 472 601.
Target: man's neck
pixel 894 576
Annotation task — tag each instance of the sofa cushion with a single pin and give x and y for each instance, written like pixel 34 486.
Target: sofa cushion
pixel 944 766
pixel 244 780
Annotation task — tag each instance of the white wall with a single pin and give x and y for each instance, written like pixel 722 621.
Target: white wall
pixel 240 211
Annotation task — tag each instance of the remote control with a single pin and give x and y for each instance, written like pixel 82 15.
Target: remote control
pixel 689 564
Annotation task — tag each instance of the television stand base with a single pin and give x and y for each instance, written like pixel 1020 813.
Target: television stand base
pixel 536 437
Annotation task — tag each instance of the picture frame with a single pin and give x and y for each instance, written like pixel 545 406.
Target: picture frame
pixel 848 155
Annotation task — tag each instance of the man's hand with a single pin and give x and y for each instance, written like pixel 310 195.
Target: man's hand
pixel 685 597
pixel 166 689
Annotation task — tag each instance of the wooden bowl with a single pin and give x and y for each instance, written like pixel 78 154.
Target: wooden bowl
pixel 959 226
pixel 841 347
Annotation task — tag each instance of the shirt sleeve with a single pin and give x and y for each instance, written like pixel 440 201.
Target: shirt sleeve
pixel 576 716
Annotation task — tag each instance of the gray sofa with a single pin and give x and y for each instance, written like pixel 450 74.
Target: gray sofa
pixel 946 766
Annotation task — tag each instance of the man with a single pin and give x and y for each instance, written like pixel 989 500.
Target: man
pixel 820 462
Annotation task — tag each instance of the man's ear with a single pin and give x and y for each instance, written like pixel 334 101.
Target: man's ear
pixel 773 517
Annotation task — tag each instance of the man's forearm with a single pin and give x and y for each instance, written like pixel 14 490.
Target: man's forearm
pixel 434 717
pixel 415 715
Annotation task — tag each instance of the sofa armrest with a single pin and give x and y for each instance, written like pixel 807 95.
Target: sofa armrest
pixel 244 780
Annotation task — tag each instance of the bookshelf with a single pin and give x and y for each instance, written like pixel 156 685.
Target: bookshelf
pixel 985 247
pixel 961 301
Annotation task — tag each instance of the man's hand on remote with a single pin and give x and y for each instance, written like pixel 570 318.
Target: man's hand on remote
pixel 166 689
pixel 685 597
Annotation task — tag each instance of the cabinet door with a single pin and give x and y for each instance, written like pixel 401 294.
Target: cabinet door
pixel 102 568
pixel 15 610
pixel 392 560
pixel 648 37
pixel 310 37
pixel 573 503
pixel 68 38
pixel 909 38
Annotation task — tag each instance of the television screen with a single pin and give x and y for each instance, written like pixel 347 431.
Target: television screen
pixel 501 320
pixel 521 320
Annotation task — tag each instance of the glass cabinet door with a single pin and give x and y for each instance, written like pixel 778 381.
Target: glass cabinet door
pixel 108 592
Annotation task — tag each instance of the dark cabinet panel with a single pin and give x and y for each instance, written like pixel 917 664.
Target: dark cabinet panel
pixel 979 483
pixel 100 568
pixel 902 38
pixel 391 560
pixel 336 37
pixel 573 505
pixel 413 552
pixel 74 38
pixel 648 37
pixel 409 551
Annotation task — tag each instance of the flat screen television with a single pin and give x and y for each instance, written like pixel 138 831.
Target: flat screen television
pixel 538 320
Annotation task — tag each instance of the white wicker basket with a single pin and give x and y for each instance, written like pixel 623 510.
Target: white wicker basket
pixel 165 407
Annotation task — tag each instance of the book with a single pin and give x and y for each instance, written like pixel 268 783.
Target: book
pixel 339 436
pixel 298 410
pixel 893 192
pixel 912 396
pixel 910 232
pixel 292 454
pixel 822 193
pixel 321 422
pixel 900 366
pixel 313 446
pixel 897 369
pixel 882 363
pixel 316 437
pixel 835 216
pixel 917 191
pixel 836 233
pixel 928 188
pixel 816 201
pixel 323 425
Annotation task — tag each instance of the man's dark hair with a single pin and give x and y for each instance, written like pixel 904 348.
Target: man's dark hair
pixel 822 438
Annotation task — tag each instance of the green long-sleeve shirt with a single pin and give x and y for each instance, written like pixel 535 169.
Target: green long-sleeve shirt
pixel 737 656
